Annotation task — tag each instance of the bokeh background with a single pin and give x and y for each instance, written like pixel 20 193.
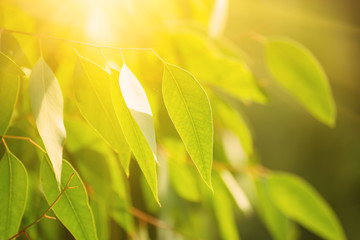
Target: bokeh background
pixel 286 137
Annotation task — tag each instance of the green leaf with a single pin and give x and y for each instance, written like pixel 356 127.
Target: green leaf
pixel 13 190
pixel 47 106
pixel 276 222
pixel 138 104
pixel 189 109
pixel 9 66
pixel 9 88
pixel 301 202
pixel 72 208
pixel 230 74
pixel 93 96
pixel 182 175
pixel 133 134
pixel 229 118
pixel 224 211
pixel 297 70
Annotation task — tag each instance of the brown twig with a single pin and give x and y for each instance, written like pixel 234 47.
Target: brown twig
pixel 44 215
pixel 26 139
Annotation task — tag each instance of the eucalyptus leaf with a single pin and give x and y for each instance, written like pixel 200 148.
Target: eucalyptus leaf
pixel 13 190
pixel 299 72
pixel 47 106
pixel 301 202
pixel 93 98
pixel 279 226
pixel 133 134
pixel 189 109
pixel 9 88
pixel 72 208
pixel 9 66
pixel 138 104
pixel 223 210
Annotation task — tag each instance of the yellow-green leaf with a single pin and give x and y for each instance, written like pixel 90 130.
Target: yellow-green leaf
pixel 279 226
pixel 8 65
pixel 47 106
pixel 13 190
pixel 189 109
pixel 301 202
pixel 297 70
pixel 223 210
pixel 133 134
pixel 72 208
pixel 9 88
pixel 138 104
pixel 93 97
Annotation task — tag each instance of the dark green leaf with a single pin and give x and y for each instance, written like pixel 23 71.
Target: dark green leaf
pixel 9 88
pixel 73 208
pixel 13 190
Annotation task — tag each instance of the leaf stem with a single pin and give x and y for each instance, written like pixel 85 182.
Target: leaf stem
pixel 25 139
pixel 44 215
pixel 81 43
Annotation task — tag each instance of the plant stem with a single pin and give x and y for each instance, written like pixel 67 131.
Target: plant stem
pixel 44 215
pixel 26 139
pixel 78 42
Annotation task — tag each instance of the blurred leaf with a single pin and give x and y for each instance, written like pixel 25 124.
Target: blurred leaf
pixel 9 66
pixel 224 211
pixel 138 104
pixel 73 208
pixel 296 69
pixel 196 54
pixel 218 18
pixel 134 136
pixel 276 222
pixel 13 189
pixel 229 118
pixel 189 109
pixel 92 91
pixel 236 191
pixel 11 47
pixel 47 106
pixel 182 173
pixel 9 88
pixel 301 202
pixel 101 219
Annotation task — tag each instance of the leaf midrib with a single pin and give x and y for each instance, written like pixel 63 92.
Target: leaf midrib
pixel 188 111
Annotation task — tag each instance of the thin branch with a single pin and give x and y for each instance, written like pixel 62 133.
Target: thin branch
pixel 44 215
pixel 79 42
pixel 5 145
pixel 26 139
pixel 142 216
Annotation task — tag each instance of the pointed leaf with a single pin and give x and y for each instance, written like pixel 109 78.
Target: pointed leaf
pixel 47 106
pixel 138 104
pixel 13 190
pixel 296 69
pixel 72 208
pixel 189 109
pixel 93 97
pixel 301 202
pixel 9 66
pixel 133 134
pixel 9 88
